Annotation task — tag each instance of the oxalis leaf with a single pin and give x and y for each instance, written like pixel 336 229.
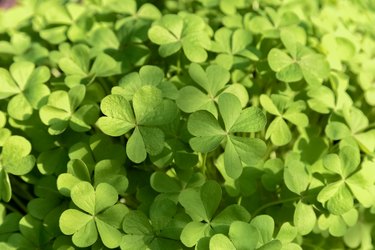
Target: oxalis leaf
pixel 101 215
pixel 148 111
pixel 208 133
pixel 25 84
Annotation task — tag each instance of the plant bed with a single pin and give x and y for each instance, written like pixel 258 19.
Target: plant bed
pixel 190 124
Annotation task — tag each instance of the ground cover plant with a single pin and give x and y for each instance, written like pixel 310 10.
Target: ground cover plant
pixel 189 124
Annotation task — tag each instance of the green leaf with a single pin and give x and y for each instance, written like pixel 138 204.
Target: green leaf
pixel 201 203
pixel 304 218
pixel 110 236
pixel 71 221
pixel 119 117
pixel 279 132
pixel 296 177
pixel 83 195
pixel 337 130
pixel 135 148
pixel 86 236
pixel 243 235
pixel 265 226
pixel 193 232
pixel 221 242
pixel 136 223
pixel 207 130
pixel 15 156
pixel 163 183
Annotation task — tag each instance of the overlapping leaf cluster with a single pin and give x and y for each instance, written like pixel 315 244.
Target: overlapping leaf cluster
pixel 205 124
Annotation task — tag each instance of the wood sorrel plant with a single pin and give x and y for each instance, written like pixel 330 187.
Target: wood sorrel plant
pixel 189 124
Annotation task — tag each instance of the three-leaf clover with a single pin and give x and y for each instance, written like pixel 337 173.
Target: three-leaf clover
pixel 55 22
pixel 65 109
pixel 283 109
pixel 76 64
pixel 337 225
pixel 233 47
pixel 270 22
pixel 299 62
pixel 105 171
pixel 355 128
pixel 161 231
pixel 148 75
pixel 150 111
pixel 26 84
pixel 351 181
pixel 15 159
pixel 187 31
pixel 213 81
pixel 100 214
pixel 208 133
pixel 201 204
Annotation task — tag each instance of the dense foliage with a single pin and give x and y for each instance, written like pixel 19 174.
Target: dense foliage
pixel 206 124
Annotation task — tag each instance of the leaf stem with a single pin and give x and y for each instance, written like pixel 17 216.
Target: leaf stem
pixel 10 207
pixel 203 166
pixel 19 203
pixel 273 203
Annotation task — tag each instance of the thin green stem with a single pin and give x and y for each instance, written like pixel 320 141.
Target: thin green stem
pixel 204 160
pixel 19 203
pixel 312 246
pixel 274 203
pixel 9 207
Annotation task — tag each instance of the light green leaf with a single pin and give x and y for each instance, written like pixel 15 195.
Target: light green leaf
pixel 119 117
pixel 86 236
pixel 83 195
pixel 221 242
pixel 136 223
pixel 135 147
pixel 265 226
pixel 337 130
pixel 15 156
pixel 279 132
pixel 110 236
pixel 304 218
pixel 230 110
pixel 193 232
pixel 72 220
pixel 243 235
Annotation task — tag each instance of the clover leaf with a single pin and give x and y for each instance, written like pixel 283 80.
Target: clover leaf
pixel 150 111
pixel 148 75
pixel 15 159
pixel 213 81
pixel 58 22
pixel 324 100
pixel 201 205
pixel 105 171
pixel 233 47
pixel 299 63
pixel 64 109
pixel 283 109
pixel 161 230
pixel 208 133
pixel 337 225
pixel 96 148
pixel 26 84
pixel 270 22
pixel 8 223
pixel 351 183
pixel 354 127
pixel 76 64
pixel 187 31
pixel 33 234
pixel 338 49
pixel 100 215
